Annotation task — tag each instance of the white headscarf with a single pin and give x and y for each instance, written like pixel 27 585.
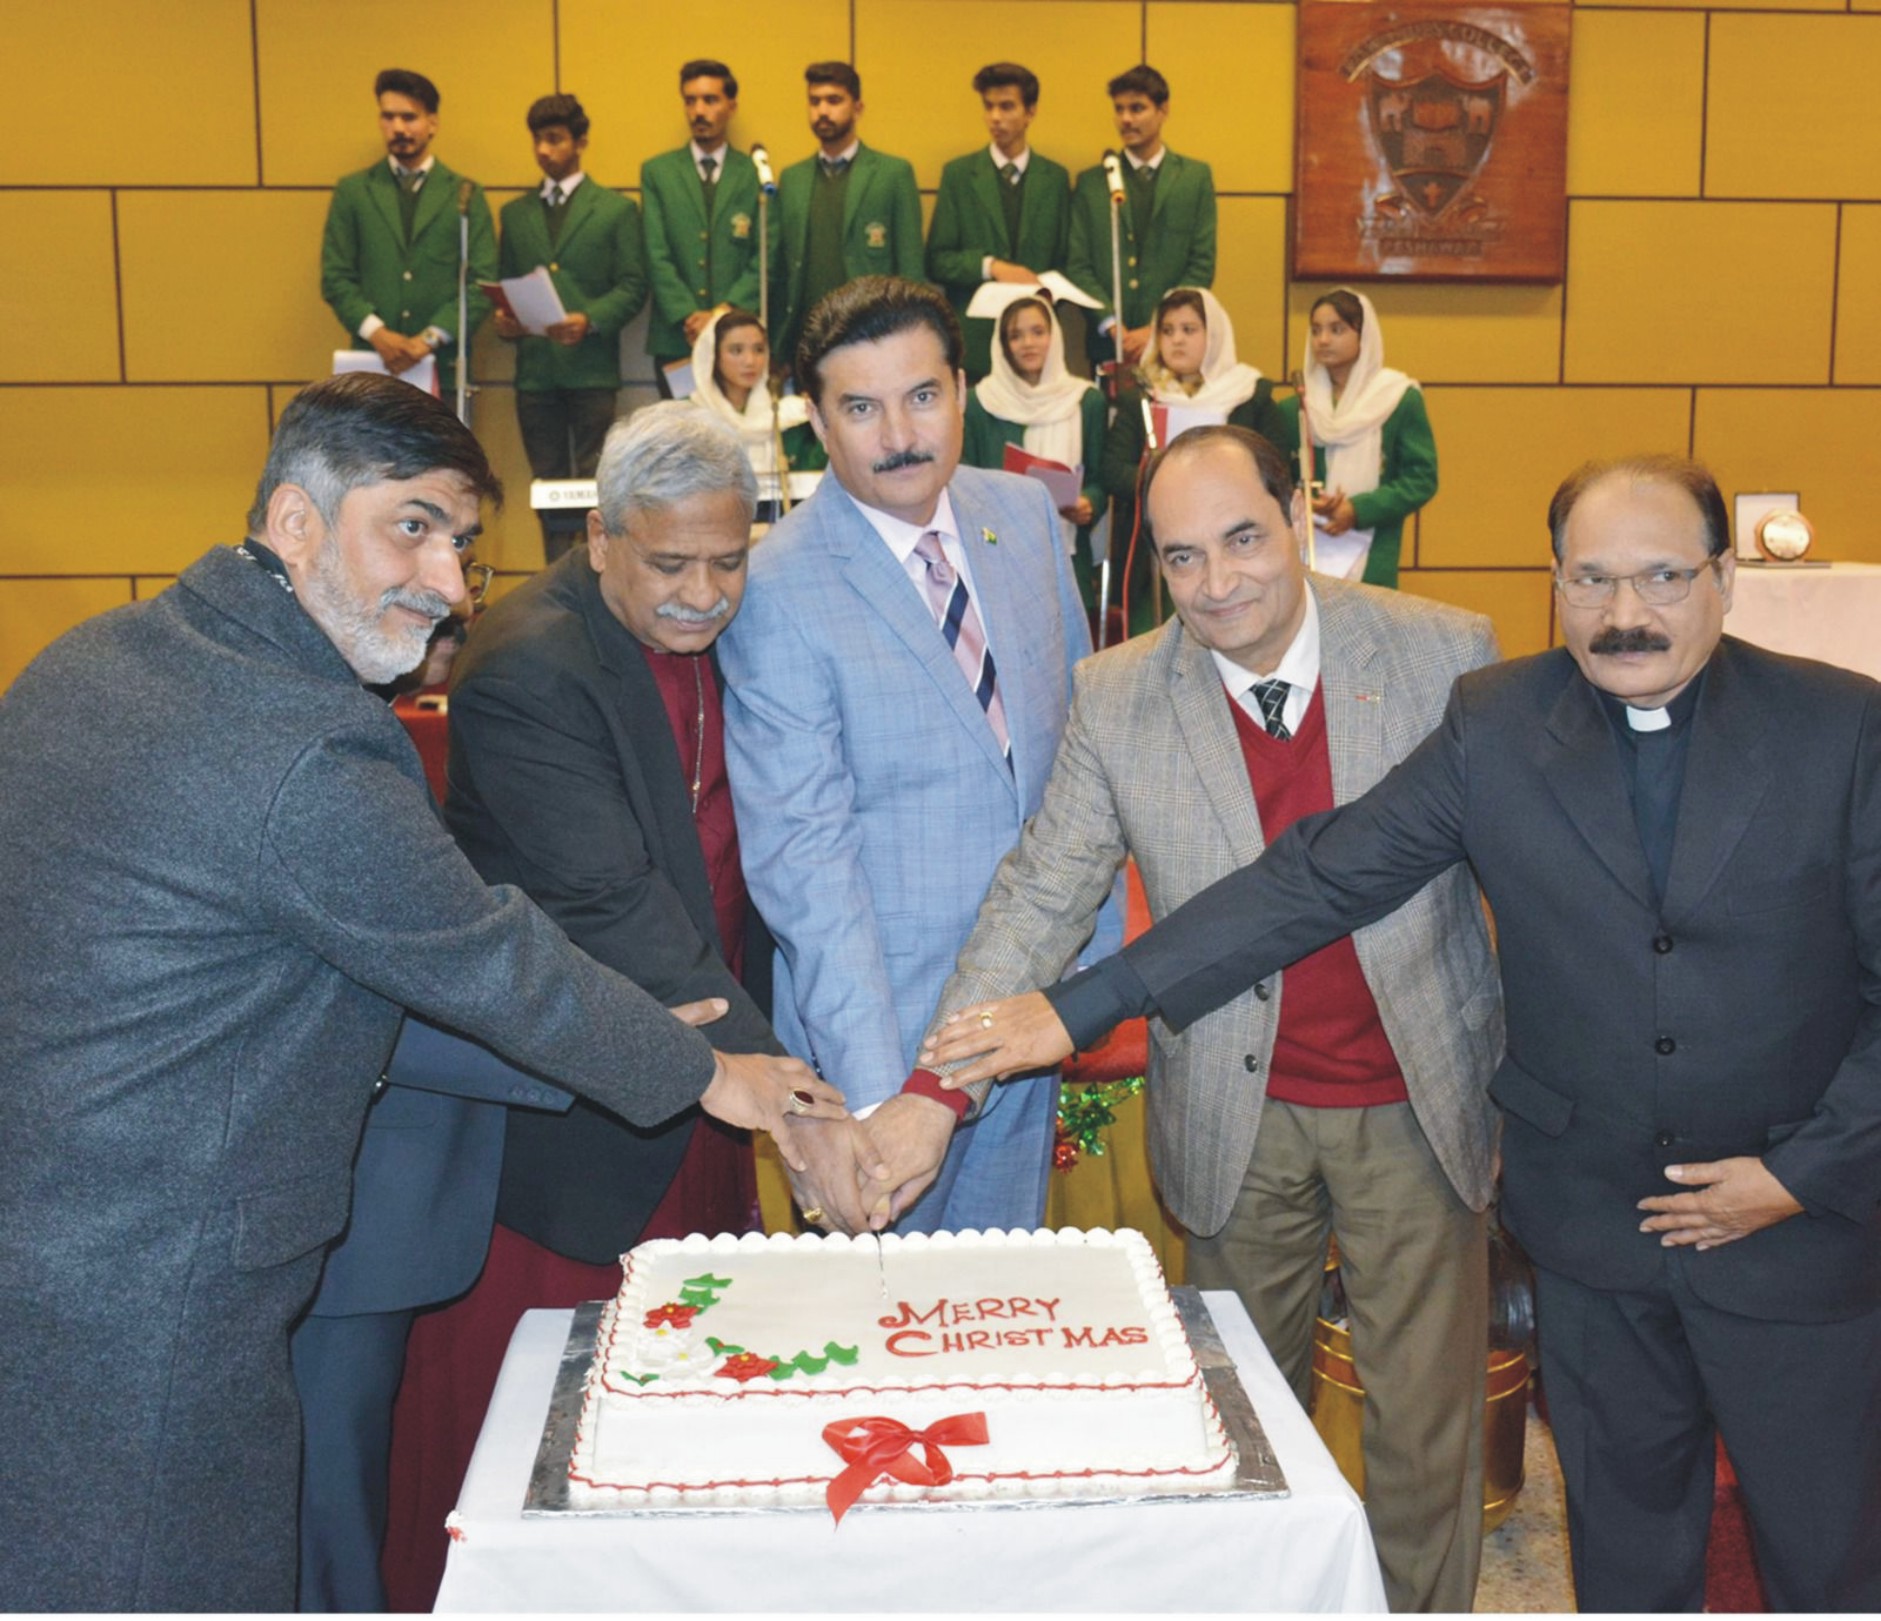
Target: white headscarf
pixel 1225 382
pixel 753 424
pixel 1050 410
pixel 1353 430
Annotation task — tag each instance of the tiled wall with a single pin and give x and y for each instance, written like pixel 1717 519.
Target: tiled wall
pixel 164 171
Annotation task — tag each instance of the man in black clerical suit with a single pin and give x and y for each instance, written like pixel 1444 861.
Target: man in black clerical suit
pixel 1679 835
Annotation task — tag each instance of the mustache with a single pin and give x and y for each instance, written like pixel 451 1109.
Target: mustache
pixel 901 459
pixel 428 603
pixel 691 616
pixel 1637 640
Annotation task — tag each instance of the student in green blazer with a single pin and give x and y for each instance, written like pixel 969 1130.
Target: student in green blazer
pixel 702 233
pixel 589 239
pixel 1167 220
pixel 1003 213
pixel 388 260
pixel 1374 456
pixel 1030 399
pixel 848 211
pixel 1190 364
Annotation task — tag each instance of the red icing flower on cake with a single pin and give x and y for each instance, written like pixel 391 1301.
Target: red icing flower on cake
pixel 746 1365
pixel 672 1314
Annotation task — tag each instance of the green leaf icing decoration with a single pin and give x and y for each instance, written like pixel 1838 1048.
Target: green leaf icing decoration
pixel 844 1354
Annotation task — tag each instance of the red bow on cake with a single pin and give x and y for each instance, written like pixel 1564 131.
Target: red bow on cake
pixel 874 1447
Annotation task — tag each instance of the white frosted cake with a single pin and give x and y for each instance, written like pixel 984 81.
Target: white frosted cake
pixel 758 1370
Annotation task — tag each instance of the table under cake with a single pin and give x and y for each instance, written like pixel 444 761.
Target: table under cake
pixel 1238 1551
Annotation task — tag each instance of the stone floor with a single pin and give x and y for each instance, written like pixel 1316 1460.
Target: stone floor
pixel 1525 1560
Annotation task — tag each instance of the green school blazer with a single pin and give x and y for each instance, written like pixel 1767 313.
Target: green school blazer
pixel 970 222
pixel 368 268
pixel 1407 478
pixel 881 232
pixel 696 264
pixel 1178 252
pixel 598 265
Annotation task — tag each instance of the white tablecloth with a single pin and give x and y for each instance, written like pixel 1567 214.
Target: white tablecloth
pixel 1309 1551
pixel 1832 613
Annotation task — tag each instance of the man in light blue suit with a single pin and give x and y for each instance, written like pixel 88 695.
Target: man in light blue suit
pixel 897 683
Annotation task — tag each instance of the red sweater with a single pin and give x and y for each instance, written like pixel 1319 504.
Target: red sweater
pixel 1331 1051
pixel 684 679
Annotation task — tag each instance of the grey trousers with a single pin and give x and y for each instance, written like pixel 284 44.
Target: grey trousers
pixel 1414 1260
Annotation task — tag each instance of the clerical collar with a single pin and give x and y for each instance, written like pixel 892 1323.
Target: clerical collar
pixel 259 555
pixel 1671 717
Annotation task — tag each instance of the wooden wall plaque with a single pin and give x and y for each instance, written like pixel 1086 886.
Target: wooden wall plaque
pixel 1432 141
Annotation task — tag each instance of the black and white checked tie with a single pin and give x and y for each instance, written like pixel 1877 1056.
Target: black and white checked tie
pixel 1272 697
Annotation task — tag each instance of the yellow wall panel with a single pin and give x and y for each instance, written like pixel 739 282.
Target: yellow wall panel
pixel 918 57
pixel 1516 600
pixel 1452 332
pixel 121 93
pixel 1251 277
pixel 489 60
pixel 1502 451
pixel 1230 73
pixel 1636 113
pixel 1858 314
pixel 1699 292
pixel 224 286
pixel 1711 5
pixel 59 310
pixel 129 480
pixel 623 61
pixel 34 613
pixel 1791 107
pixel 1819 442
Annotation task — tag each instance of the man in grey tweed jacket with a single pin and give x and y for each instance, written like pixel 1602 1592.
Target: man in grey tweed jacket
pixel 220 878
pixel 1153 766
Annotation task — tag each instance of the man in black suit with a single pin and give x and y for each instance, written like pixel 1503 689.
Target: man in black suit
pixel 587 768
pixel 1680 837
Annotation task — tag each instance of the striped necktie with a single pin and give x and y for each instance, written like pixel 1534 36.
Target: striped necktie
pixel 960 623
pixel 1272 697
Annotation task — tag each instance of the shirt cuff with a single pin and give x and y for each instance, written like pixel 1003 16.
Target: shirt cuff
pixel 436 336
pixel 370 325
pixel 986 268
pixel 924 1083
pixel 1106 326
pixel 1093 1003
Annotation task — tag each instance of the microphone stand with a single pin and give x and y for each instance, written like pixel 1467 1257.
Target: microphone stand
pixel 1307 530
pixel 463 302
pixel 1112 173
pixel 780 466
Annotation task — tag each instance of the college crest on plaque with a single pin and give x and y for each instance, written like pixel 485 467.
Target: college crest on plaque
pixel 1432 141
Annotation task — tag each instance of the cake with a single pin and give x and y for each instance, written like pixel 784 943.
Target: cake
pixel 766 1370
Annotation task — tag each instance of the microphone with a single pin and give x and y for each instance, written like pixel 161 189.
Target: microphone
pixel 1113 176
pixel 464 189
pixel 767 182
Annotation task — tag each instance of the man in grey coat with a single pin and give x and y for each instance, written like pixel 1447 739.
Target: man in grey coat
pixel 223 877
pixel 1349 1094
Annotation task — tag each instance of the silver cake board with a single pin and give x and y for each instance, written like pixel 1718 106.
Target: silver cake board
pixel 1258 1472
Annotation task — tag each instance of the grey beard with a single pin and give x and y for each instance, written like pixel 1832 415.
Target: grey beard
pixel 377 655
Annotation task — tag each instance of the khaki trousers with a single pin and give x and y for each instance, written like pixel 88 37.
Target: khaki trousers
pixel 1414 1260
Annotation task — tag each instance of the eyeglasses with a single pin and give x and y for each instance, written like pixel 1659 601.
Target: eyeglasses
pixel 1657 588
pixel 477 577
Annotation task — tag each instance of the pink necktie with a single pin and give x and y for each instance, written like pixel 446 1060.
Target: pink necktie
pixel 960 623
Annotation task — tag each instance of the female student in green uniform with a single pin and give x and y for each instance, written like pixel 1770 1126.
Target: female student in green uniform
pixel 1374 456
pixel 731 365
pixel 1030 399
pixel 1189 363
